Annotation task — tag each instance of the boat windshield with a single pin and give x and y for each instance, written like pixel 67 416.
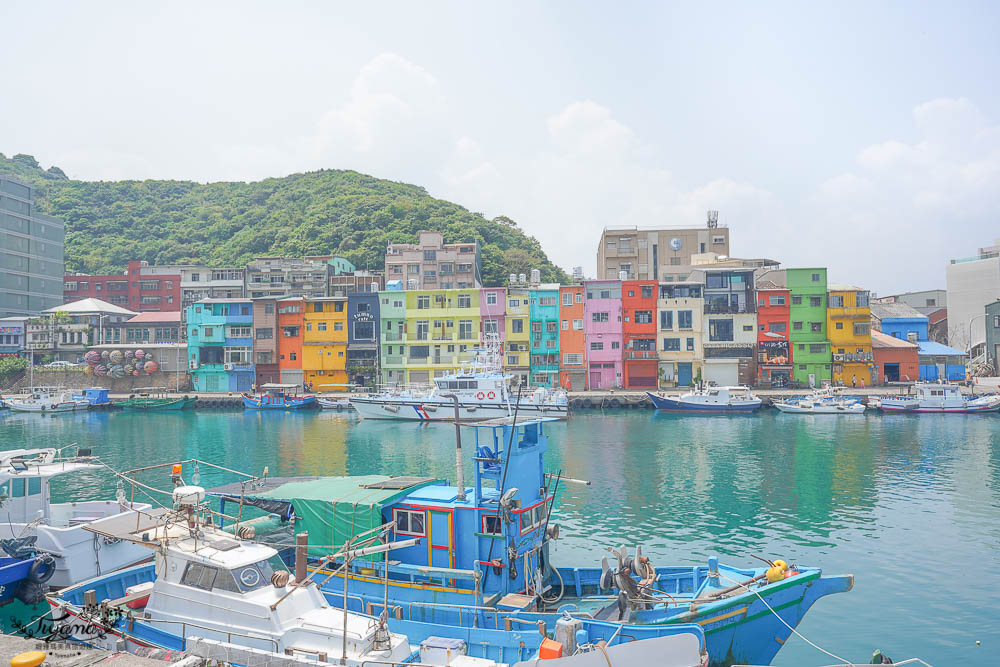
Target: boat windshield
pixel 239 580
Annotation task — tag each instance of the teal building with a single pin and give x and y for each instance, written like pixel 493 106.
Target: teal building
pixel 543 318
pixel 220 343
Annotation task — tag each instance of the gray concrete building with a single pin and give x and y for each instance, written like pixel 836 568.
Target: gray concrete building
pixel 202 282
pixel 281 277
pixel 430 263
pixel 31 253
pixel 972 283
pixel 658 253
pixel 931 298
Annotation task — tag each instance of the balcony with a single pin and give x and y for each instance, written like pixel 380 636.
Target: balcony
pixel 855 312
pixel 641 355
pixel 728 309
pixel 393 337
pixel 392 361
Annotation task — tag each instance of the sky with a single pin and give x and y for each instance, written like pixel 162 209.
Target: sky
pixel 860 136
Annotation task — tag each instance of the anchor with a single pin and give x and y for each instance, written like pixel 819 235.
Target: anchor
pixel 633 595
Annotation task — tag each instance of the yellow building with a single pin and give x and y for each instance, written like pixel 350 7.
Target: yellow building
pixel 848 325
pixel 441 331
pixel 324 344
pixel 517 356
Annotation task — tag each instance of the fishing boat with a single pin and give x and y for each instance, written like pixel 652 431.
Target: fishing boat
pixel 59 528
pixel 24 572
pixel 94 397
pixel 828 400
pixel 482 390
pixel 48 400
pixel 712 400
pixel 215 594
pixel 333 403
pixel 933 397
pixel 278 397
pixel 156 402
pixel 485 558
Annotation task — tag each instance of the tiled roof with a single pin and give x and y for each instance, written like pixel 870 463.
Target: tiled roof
pixel 881 340
pixel 884 310
pixel 172 316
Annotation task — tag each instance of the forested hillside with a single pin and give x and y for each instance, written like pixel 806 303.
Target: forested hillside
pixel 316 213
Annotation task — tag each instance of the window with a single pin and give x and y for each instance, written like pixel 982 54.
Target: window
pixel 816 327
pixel 290 332
pixel 817 348
pixel 551 327
pixel 264 358
pixel 690 344
pixel 292 356
pixel 777 327
pixel 797 326
pixel 578 325
pixel 579 297
pixel 430 255
pixel 564 325
pixel 796 300
pixel 567 298
pixel 517 326
pixel 149 285
pixel 836 300
pixel 268 308
pixel 643 317
pixel 666 319
pixel 675 261
pixel 671 344
pixel 464 301
pixel 514 303
pixel 748 327
pixel 490 326
pixel 413 269
pixel 309 326
pixel 409 522
pixel 465 329
pixel 572 359
pixel 717 280
pixel 320 326
pixel 491 298
pixel 512 360
pixel 720 330
pixel 838 325
pixel 862 300
pixel 199 576
pixel 423 302
pixel 548 301
pixel 237 355
pixel 815 277
pixel 364 331
pixel 815 301
pixel 646 291
pixel 490 524
pixel 599 317
pixel 615 345
pixel 718 240
pixel 862 328
pixel 209 331
pixel 597 346
pixel 240 332
pixel 685 319
pixel 777 300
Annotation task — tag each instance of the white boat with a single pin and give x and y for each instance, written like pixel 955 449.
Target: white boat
pixel 483 392
pixel 933 397
pixel 48 400
pixel 827 401
pixel 59 528
pixel 721 400
pixel 333 403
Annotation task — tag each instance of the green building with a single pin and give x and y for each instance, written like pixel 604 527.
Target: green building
pixel 810 345
pixel 993 335
pixel 31 253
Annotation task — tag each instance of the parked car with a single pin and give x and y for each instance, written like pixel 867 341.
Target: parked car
pixel 60 364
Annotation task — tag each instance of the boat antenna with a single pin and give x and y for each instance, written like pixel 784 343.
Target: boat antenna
pixel 503 479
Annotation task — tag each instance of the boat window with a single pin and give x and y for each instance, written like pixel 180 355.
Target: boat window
pixel 252 577
pixel 491 524
pixel 540 514
pixel 525 521
pixel 34 486
pixel 225 582
pixel 409 523
pixel 199 576
pixel 4 491
pixel 17 487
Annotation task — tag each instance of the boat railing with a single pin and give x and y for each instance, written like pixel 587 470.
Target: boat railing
pixel 459 607
pixel 229 633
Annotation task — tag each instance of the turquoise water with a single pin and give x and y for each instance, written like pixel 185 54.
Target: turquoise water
pixel 909 504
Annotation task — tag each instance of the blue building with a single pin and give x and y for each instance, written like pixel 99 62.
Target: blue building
pixel 220 345
pixel 940 362
pixel 937 361
pixel 543 316
pixel 362 339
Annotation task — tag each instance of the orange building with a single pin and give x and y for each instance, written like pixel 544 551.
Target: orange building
pixel 291 329
pixel 896 360
pixel 573 358
pixel 639 331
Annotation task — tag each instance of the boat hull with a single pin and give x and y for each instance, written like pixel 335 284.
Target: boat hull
pixel 286 403
pixel 930 410
pixel 791 408
pixel 68 406
pixel 177 404
pixel 668 404
pixel 444 410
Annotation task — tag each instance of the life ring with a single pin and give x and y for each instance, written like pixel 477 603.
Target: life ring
pixel 480 396
pixel 43 408
pixel 42 569
pixel 491 395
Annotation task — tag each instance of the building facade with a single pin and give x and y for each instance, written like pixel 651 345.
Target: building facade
pixel 441 332
pixel 324 344
pixel 993 336
pixel 657 253
pixel 848 325
pixel 357 282
pixel 362 339
pixel 291 333
pixel 137 289
pixel 200 282
pixel 901 321
pixel 153 327
pixel 65 332
pixel 640 361
pixel 517 354
pixel 572 341
pixel 896 359
pixel 774 353
pixel 392 337
pixel 493 313
pixel 220 345
pixel 31 253
pixel 543 313
pixel 679 339
pixel 12 335
pixel 808 336
pixel 972 282
pixel 265 341
pixel 430 263
pixel 932 298
pixel 602 327
pixel 730 328
pixel 281 277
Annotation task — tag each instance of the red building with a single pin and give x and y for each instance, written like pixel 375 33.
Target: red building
pixel 136 290
pixel 573 356
pixel 639 334
pixel 774 353
pixel 896 360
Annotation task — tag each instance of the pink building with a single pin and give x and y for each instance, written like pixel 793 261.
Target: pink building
pixel 602 328
pixel 492 308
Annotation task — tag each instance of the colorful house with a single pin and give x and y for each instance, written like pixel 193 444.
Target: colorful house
pixel 774 354
pixel 517 357
pixel 493 311
pixel 808 336
pixel 730 329
pixel 324 344
pixel 442 331
pixel 940 362
pixel 896 359
pixel 543 314
pixel 220 345
pixel 572 341
pixel 640 359
pixel 291 331
pixel 602 327
pixel 680 350
pixel 392 336
pixel 849 325
pixel 265 340
pixel 362 339
pixel 900 320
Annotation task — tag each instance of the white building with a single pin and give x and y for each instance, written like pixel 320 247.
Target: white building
pixel 202 282
pixel 972 283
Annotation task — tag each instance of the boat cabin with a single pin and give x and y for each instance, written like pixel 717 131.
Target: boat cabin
pixel 467 387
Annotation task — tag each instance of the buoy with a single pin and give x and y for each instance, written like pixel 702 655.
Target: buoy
pixel 29 659
pixel 777 572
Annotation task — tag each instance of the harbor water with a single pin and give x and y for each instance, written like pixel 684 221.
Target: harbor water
pixel 909 504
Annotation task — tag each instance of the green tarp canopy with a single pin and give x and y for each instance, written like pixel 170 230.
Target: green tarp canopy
pixel 335 509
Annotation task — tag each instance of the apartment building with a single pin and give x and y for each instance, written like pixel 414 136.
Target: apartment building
pixel 849 325
pixel 658 253
pixel 602 326
pixel 220 345
pixel 543 315
pixel 362 339
pixel 324 344
pixel 572 339
pixel 65 332
pixel 31 253
pixel 265 341
pixel 680 344
pixel 808 337
pixel 356 282
pixel 640 358
pixel 140 288
pixel 517 354
pixel 281 277
pixel 201 282
pixel 392 336
pixel 291 333
pixel 730 330
pixel 493 311
pixel 430 263
pixel 774 353
pixel 972 282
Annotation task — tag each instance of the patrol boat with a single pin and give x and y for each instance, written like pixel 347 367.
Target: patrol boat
pixel 939 398
pixel 484 560
pixel 481 389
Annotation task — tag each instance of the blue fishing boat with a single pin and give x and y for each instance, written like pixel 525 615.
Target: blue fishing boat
pixel 278 397
pixel 24 572
pixel 711 400
pixel 94 397
pixel 484 557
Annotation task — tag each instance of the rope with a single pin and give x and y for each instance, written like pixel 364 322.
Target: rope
pixel 794 631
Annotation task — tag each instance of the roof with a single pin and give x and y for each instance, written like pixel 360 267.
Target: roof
pixel 934 313
pixel 843 287
pixel 240 300
pixel 768 285
pixel 931 347
pixel 896 310
pixel 881 340
pixel 90 305
pixel 156 316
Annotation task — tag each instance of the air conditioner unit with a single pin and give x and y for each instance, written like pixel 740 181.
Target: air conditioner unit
pixel 838 357
pixel 227 367
pixel 193 365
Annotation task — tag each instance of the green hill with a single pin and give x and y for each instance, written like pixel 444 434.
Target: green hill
pixel 224 224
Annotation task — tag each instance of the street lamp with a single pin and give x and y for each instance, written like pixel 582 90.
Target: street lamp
pixel 971 320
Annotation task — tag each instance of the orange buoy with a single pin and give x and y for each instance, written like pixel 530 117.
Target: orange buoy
pixel 550 649
pixel 29 659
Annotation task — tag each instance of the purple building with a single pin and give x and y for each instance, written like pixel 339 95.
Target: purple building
pixel 602 329
pixel 492 309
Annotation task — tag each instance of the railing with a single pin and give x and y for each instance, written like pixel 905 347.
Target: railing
pixel 637 355
pixel 727 309
pixel 392 361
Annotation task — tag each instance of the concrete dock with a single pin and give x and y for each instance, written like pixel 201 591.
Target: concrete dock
pixel 74 655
